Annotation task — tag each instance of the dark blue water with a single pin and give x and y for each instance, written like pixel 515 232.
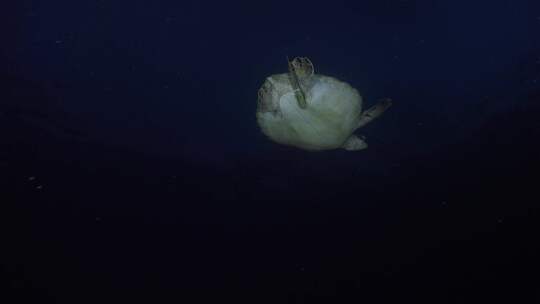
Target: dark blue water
pixel 132 168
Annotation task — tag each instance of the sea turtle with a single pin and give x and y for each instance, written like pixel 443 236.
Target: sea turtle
pixel 312 111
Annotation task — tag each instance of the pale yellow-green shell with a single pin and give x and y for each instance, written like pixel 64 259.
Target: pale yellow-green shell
pixel 331 116
pixel 311 111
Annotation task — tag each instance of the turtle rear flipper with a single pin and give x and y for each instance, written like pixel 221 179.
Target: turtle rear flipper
pixel 354 143
pixel 375 111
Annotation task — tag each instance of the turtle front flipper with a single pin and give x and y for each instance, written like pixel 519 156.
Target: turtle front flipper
pixel 375 111
pixel 300 69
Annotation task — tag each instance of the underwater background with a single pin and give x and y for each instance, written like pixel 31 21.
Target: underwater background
pixel 132 168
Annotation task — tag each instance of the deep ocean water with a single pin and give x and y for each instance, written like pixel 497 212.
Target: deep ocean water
pixel 133 169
